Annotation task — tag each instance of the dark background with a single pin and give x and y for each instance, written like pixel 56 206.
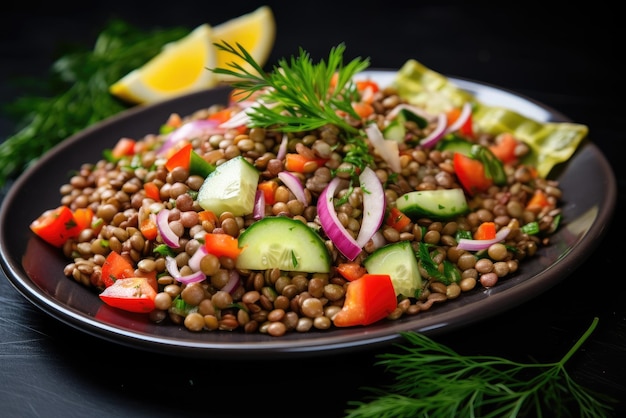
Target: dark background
pixel 564 57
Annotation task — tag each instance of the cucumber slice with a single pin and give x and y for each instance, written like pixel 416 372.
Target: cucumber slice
pixel 230 188
pixel 399 261
pixel 436 204
pixel 396 129
pixel 283 243
pixel 455 144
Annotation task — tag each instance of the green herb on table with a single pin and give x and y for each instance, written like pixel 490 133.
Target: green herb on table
pixel 77 93
pixel 434 381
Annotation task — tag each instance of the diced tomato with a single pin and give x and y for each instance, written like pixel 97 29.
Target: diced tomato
pixel 351 271
pixel 152 191
pixel 397 220
pixel 132 294
pixel 471 174
pixel 151 278
pixel 467 129
pixel 56 226
pixel 362 85
pixel 368 299
pixel 363 109
pixel 538 201
pixel 116 267
pixel 504 148
pixel 486 230
pixel 83 218
pixel 222 245
pixel 225 114
pixel 180 158
pixel 300 164
pixel 207 215
pixel 269 189
pixel 124 147
pixel 148 228
pixel 367 88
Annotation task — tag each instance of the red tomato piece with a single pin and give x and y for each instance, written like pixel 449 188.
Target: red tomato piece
pixel 124 147
pixel 368 299
pixel 504 148
pixel 116 267
pixel 300 164
pixel 397 220
pixel 56 226
pixel 471 174
pixel 486 230
pixel 180 158
pixel 132 294
pixel 351 271
pixel 222 245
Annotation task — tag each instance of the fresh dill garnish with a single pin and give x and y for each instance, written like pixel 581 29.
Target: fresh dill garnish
pixel 76 94
pixel 298 95
pixel 431 380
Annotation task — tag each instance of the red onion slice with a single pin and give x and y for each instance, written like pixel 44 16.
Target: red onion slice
pixel 294 184
pixel 466 112
pixel 190 130
pixel 258 211
pixel 233 282
pixel 373 206
pixel 172 267
pixel 282 149
pixel 167 235
pixel 194 277
pixel 437 133
pixel 482 244
pixel 194 260
pixel 388 150
pixel 332 226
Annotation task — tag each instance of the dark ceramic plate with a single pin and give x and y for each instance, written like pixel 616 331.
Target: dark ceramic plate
pixel 36 269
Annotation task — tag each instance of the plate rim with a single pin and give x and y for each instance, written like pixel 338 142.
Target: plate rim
pixel 274 347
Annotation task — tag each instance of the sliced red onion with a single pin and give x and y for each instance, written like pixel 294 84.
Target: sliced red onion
pixel 294 184
pixel 437 133
pixel 233 282
pixel 378 239
pixel 466 112
pixel 194 260
pixel 332 226
pixel 194 277
pixel 258 211
pixel 388 150
pixel 172 267
pixel 282 149
pixel 238 119
pixel 243 117
pixel 167 235
pixel 190 130
pixel 482 244
pixel 373 205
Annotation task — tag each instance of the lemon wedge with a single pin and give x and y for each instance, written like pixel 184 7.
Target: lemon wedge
pixel 181 67
pixel 255 31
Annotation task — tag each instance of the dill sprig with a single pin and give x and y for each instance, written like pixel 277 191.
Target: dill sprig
pixel 298 95
pixel 434 381
pixel 76 93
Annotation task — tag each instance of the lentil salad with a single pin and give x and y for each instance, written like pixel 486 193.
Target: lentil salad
pixel 274 300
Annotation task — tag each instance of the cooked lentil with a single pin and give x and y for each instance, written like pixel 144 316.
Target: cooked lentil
pixel 275 302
